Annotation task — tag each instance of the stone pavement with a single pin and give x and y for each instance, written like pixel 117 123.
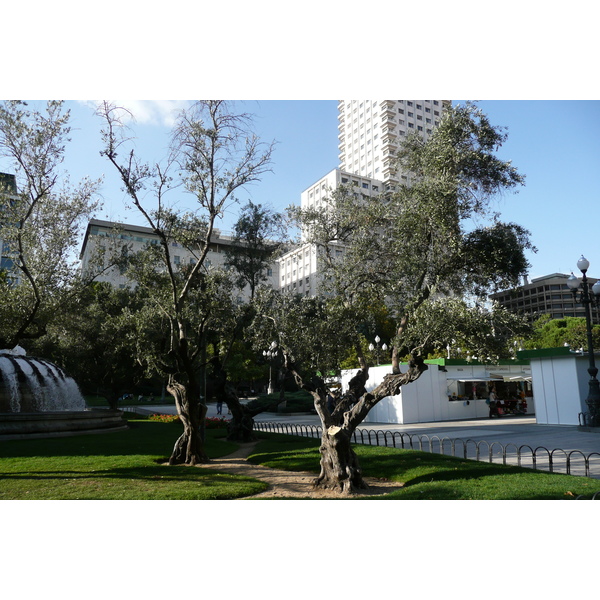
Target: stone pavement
pixel 499 436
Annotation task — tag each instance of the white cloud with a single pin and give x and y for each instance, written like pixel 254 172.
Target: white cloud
pixel 149 112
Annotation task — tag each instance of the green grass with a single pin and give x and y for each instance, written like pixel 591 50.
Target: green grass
pixel 115 466
pixel 429 476
pixel 128 465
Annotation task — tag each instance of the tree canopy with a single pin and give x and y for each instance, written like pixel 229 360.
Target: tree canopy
pixel 213 156
pixel 430 249
pixel 554 333
pixel 434 235
pixel 40 221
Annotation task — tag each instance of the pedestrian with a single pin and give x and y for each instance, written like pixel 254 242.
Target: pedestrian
pixel 493 403
pixel 219 406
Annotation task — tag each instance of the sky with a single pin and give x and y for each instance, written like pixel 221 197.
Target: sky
pixel 555 144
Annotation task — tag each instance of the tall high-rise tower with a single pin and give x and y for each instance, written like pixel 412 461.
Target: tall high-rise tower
pixel 370 133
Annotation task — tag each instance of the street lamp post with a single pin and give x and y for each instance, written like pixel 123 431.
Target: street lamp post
pixel 586 298
pixel 269 355
pixel 376 348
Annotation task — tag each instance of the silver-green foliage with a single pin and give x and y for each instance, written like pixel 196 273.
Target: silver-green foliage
pixel 41 222
pixel 434 236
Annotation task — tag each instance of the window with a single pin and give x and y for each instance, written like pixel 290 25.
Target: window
pixel 409 103
pixel 419 107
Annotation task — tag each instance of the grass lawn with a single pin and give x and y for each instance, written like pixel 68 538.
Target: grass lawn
pixel 429 476
pixel 123 465
pixel 127 466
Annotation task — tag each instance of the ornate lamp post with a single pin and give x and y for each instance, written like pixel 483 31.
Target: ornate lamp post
pixel 269 355
pixel 376 348
pixel 586 298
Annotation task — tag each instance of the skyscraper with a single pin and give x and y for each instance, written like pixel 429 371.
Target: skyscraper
pixel 371 131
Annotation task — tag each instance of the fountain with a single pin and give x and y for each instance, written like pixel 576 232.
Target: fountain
pixel 38 399
pixel 35 385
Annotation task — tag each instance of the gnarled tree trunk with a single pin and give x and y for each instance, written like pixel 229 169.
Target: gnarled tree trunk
pixel 241 426
pixel 189 447
pixel 340 470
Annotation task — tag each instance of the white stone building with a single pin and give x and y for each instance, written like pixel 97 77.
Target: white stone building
pixel 125 238
pixel 371 131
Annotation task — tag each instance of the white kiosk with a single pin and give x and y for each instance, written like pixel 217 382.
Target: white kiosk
pixel 561 383
pixel 450 390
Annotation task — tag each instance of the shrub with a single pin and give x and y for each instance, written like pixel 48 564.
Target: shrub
pixel 164 418
pixel 216 423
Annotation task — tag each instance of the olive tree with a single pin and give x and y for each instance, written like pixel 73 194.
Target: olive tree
pixel 213 155
pixel 41 219
pixel 407 247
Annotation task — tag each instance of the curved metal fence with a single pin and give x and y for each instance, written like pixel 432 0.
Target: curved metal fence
pixel 573 462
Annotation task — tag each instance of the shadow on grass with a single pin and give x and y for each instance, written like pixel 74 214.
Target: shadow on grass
pixel 142 438
pixel 144 473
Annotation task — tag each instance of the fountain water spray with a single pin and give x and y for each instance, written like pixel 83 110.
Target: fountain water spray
pixel 32 385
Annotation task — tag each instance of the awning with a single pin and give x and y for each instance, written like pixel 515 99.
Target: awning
pixel 463 378
pixel 523 376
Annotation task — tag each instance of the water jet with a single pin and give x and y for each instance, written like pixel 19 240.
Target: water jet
pixel 38 399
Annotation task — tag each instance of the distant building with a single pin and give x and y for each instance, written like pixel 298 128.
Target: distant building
pixel 129 239
pixel 371 132
pixel 8 185
pixel 544 295
pixel 300 267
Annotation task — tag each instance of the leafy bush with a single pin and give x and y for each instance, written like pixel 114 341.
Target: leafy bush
pixel 164 418
pixel 216 423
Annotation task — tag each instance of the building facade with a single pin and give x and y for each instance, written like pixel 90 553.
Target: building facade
pixel 108 237
pixel 371 131
pixel 8 186
pixel 544 295
pixel 300 268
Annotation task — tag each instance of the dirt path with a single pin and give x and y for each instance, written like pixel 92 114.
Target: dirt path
pixel 287 484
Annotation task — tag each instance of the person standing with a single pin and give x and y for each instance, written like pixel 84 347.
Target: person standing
pixel 493 403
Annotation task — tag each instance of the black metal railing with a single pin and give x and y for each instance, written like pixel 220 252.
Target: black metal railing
pixel 573 462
